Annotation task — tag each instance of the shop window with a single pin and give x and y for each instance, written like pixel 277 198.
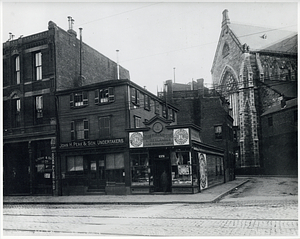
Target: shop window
pixel 140 170
pixel 135 97
pixel 38 65
pixel 79 99
pixel 74 163
pixel 181 168
pixel 270 121
pixel 115 168
pixel 39 106
pixel 105 95
pixel 137 122
pixel 17 69
pixel 79 130
pixel 104 127
pixel 218 132
pixel 147 102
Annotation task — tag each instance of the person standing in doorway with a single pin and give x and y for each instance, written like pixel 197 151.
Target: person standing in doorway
pixel 164 181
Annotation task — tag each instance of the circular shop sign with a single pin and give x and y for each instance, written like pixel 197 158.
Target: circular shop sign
pixel 181 136
pixel 157 127
pixel 136 139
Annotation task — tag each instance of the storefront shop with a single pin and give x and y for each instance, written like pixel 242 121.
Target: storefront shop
pixel 172 159
pixel 94 167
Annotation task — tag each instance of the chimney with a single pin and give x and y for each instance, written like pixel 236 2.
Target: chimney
pixel 225 18
pixel 118 67
pixel 71 22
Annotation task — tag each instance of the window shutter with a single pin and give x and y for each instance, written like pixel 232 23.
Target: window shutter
pixel 72 131
pixel 71 100
pixel 96 96
pixel 111 95
pixel 86 129
pixel 85 98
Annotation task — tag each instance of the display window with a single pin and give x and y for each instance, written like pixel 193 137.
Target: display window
pixel 115 168
pixel 181 168
pixel 140 170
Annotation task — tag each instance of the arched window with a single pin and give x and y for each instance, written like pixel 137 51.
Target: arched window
pixel 225 50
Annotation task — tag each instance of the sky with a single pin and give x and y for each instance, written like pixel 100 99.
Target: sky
pixel 157 41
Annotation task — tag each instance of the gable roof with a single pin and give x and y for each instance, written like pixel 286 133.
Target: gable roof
pixel 287 88
pixel 262 38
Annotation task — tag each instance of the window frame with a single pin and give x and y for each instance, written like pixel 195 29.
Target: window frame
pixel 17 70
pixel 135 96
pixel 84 99
pixel 137 122
pixel 38 66
pixel 147 100
pixel 104 95
pixel 75 132
pixel 218 135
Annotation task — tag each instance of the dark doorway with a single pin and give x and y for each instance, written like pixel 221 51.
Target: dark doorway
pixel 96 173
pixel 161 172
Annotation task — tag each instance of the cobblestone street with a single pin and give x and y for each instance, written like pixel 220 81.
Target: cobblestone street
pixel 221 219
pixel 260 207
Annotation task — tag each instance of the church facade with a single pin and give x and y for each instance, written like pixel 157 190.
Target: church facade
pixel 254 68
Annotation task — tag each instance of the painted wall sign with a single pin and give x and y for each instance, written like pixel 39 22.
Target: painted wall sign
pixel 91 143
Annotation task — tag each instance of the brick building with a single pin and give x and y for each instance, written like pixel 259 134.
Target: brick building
pixel 205 108
pixel 280 138
pixel 35 67
pixel 253 68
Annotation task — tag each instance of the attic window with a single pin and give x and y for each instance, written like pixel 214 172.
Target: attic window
pixel 225 51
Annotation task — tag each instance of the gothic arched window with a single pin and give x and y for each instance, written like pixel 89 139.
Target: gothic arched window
pixel 225 50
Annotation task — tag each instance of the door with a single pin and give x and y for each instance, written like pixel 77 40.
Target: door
pixel 162 179
pixel 97 174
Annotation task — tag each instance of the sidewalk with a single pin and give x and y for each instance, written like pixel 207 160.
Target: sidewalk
pixel 206 196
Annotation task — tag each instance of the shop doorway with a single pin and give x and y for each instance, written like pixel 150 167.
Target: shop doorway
pixel 97 180
pixel 161 173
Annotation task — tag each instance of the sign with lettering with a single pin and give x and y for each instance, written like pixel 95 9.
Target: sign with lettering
pixel 181 136
pixel 93 143
pixel 136 140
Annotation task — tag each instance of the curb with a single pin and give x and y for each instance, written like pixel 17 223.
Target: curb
pixel 216 199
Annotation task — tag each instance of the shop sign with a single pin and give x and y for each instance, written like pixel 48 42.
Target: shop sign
pixel 136 139
pixel 162 138
pixel 91 143
pixel 181 136
pixel 203 171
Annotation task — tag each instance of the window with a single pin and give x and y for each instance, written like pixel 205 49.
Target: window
pixel 74 163
pixel 270 121
pixel 137 122
pixel 38 65
pixel 17 69
pixel 79 99
pixel 79 130
pixel 115 168
pixel 156 105
pixel 39 106
pixel 218 132
pixel 17 112
pixel 135 96
pixel 147 102
pixel 140 170
pixel 171 114
pixel 104 127
pixel 104 95
pixel 181 168
pixel 225 51
pixel 165 111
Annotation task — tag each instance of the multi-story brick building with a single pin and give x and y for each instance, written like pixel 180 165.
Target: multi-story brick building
pixel 253 68
pixel 118 138
pixel 34 68
pixel 205 108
